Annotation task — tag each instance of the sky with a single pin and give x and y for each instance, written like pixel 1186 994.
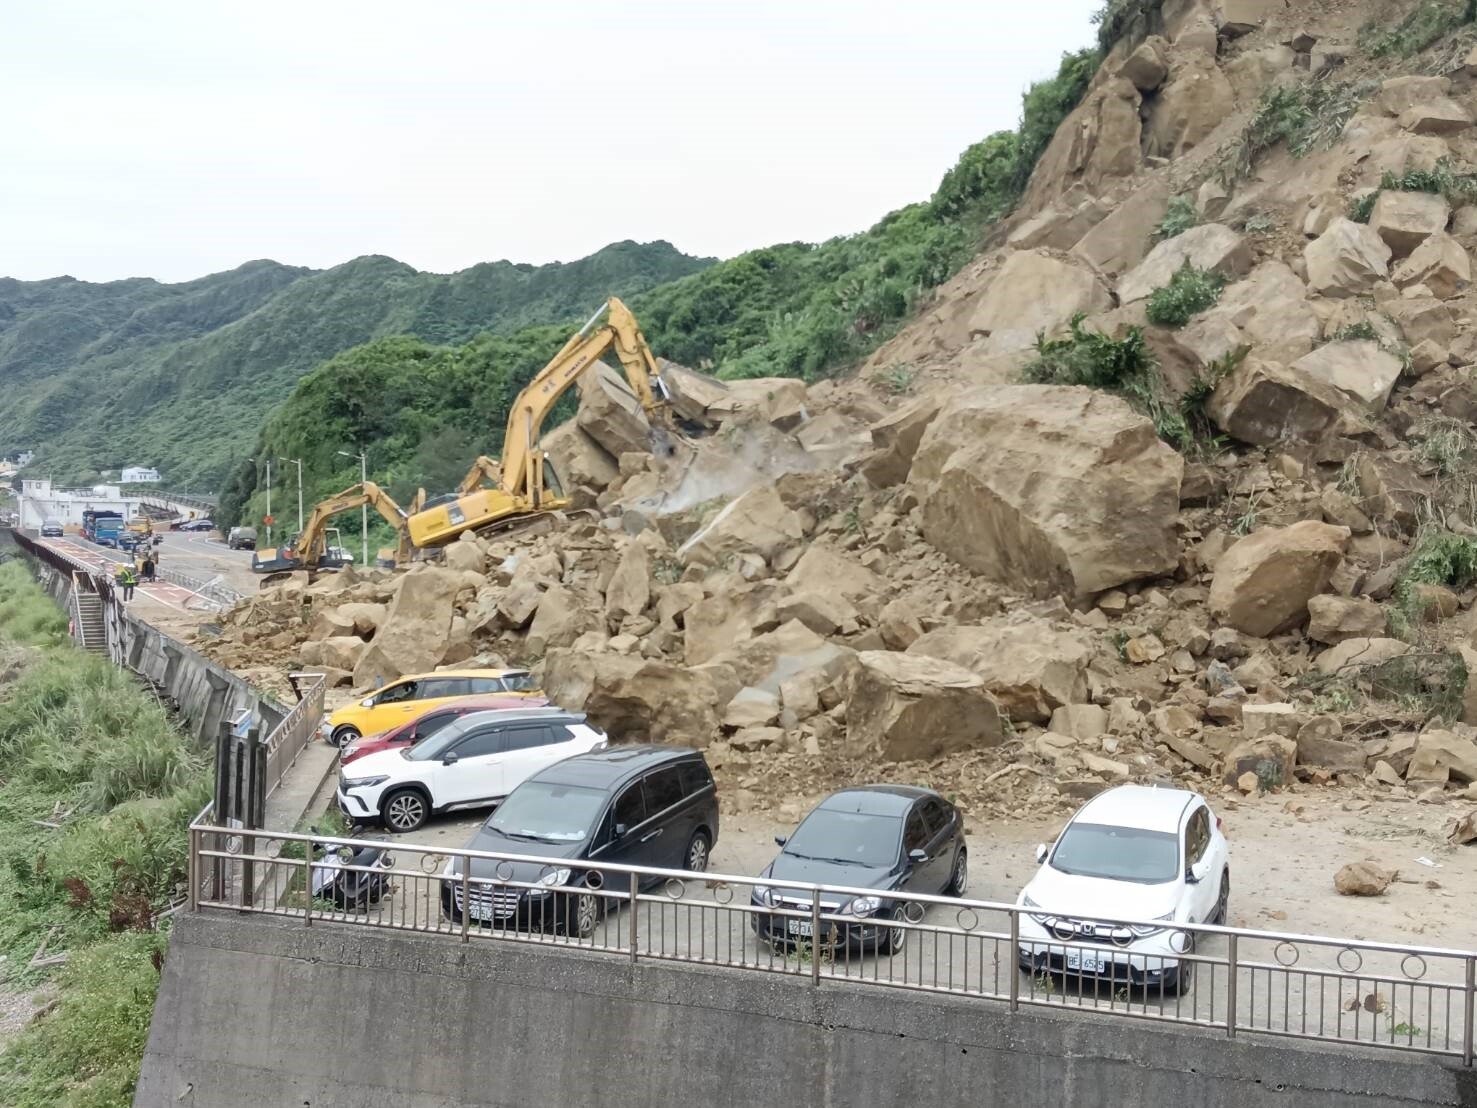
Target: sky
pixel 167 139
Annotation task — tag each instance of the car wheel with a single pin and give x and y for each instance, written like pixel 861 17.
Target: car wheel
pixel 1223 900
pixel 405 810
pixel 696 858
pixel 959 879
pixel 342 735
pixel 897 937
pixel 583 913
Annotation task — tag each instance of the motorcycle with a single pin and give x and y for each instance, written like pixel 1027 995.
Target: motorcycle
pixel 352 878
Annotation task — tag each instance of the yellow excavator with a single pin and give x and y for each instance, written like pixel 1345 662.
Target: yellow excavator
pixel 524 485
pixel 310 550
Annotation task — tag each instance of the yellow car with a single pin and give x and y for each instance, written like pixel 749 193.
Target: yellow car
pixel 408 697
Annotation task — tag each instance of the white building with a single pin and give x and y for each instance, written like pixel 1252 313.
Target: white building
pixel 139 475
pixel 39 501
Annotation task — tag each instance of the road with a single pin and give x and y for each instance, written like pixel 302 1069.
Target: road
pixel 192 554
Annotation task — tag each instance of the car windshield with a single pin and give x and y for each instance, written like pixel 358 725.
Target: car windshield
pixel 519 682
pixel 1117 853
pixel 548 812
pixel 428 750
pixel 850 838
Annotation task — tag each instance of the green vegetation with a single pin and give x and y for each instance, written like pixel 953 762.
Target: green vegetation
pixel 1363 331
pixel 96 789
pixel 1189 291
pixel 99 376
pixel 1127 368
pixel 1441 180
pixel 1179 217
pixel 1362 207
pixel 1422 27
pixel 1306 117
pixel 792 310
pixel 1115 18
pixel 1439 558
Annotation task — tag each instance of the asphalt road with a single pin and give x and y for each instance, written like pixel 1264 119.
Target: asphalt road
pixel 195 555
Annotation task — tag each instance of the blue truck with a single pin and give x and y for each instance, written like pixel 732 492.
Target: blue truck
pixel 103 528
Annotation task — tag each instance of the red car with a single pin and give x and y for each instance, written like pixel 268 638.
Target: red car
pixel 423 726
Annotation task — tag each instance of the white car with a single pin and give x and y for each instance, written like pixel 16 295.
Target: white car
pixel 1153 857
pixel 473 762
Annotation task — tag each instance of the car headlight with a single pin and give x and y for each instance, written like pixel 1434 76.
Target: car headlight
pixel 861 906
pixel 364 782
pixel 765 895
pixel 1040 917
pixel 555 879
pixel 1140 930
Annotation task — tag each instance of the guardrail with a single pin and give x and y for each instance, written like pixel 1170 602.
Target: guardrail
pixel 212 591
pixel 1380 995
pixel 289 738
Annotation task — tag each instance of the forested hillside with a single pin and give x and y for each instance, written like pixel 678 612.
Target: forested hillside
pixel 98 376
pixel 794 309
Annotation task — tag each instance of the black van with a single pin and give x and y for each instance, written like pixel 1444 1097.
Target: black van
pixel 651 806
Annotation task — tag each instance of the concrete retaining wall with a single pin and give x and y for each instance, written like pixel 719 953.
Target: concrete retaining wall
pixel 261 1011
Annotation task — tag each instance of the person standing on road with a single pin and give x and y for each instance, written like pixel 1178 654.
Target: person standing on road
pixel 127 579
pixel 148 568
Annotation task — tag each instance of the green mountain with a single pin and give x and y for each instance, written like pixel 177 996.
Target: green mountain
pixel 182 376
pixel 796 309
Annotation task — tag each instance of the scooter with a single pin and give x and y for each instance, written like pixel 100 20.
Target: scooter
pixel 352 878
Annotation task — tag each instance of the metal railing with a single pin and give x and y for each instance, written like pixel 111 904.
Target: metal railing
pixel 212 592
pixel 1381 995
pixel 288 739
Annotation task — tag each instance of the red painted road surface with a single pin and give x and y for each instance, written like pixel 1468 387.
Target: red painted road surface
pixel 175 596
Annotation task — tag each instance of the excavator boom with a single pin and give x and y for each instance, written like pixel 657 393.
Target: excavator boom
pixel 523 484
pixel 309 550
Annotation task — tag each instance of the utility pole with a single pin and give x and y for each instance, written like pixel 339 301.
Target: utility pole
pixel 269 501
pixel 363 508
pixel 299 463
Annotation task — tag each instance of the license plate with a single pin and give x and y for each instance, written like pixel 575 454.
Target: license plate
pixel 1085 961
pixel 799 927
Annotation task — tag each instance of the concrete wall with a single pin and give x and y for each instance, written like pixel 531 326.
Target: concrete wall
pixel 261 1011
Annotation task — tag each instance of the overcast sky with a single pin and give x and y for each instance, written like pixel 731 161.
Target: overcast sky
pixel 172 139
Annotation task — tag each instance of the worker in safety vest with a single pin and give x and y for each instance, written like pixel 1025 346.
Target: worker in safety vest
pixel 127 580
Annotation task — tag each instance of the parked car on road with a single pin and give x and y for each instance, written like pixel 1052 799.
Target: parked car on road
pixel 471 763
pixel 198 525
pixel 1132 853
pixel 654 806
pixel 891 838
pixel 424 726
pixel 241 538
pixel 403 700
pixel 51 528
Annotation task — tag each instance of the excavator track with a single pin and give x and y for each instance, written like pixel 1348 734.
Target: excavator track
pixel 536 523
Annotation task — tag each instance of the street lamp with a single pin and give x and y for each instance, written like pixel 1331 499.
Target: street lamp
pixel 363 509
pixel 268 520
pixel 299 463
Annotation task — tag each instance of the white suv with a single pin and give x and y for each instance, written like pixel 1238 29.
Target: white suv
pixel 1152 857
pixel 473 762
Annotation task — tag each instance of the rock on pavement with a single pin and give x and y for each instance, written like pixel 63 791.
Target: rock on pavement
pixel 633 699
pixel 1363 879
pixel 416 627
pixel 1263 583
pixel 1053 489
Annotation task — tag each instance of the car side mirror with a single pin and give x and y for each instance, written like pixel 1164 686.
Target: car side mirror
pixel 781 840
pixel 1198 872
pixel 367 702
pixel 451 759
pixel 916 856
pixel 620 830
pixel 1041 852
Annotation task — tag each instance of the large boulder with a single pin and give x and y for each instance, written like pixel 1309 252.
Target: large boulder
pixel 1440 263
pixel 903 707
pixel 561 618
pixel 1099 142
pixel 715 623
pixel 1191 104
pixel 1031 668
pixel 629 590
pixel 1212 246
pixel 365 618
pixel 1360 653
pixel 1268 310
pixel 416 627
pixel 895 440
pixel 756 522
pixel 1442 756
pixel 1348 259
pixel 1263 583
pixel 578 459
pixel 1269 758
pixel 821 569
pixel 779 401
pixel 1148 65
pixel 465 554
pixel 636 700
pixel 1442 116
pixel 1035 292
pixel 1052 489
pixel 1240 17
pixel 1359 369
pixel 610 413
pixel 1124 236
pixel 1404 220
pixel 1263 403
pixel 1332 619
pixel 1399 94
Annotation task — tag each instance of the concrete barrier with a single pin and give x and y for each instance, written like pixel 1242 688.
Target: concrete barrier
pixel 258 1011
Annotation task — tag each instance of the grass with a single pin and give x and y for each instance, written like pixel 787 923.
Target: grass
pixel 1305 117
pixel 1190 291
pixel 1179 217
pixel 1422 27
pixel 1439 558
pixel 896 379
pixel 83 747
pixel 1116 17
pixel 1363 331
pixel 1441 180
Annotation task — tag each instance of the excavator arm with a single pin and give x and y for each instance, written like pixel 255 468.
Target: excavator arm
pixel 308 548
pixel 483 469
pixel 522 461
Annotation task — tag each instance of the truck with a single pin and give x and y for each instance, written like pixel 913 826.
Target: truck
pixel 102 527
